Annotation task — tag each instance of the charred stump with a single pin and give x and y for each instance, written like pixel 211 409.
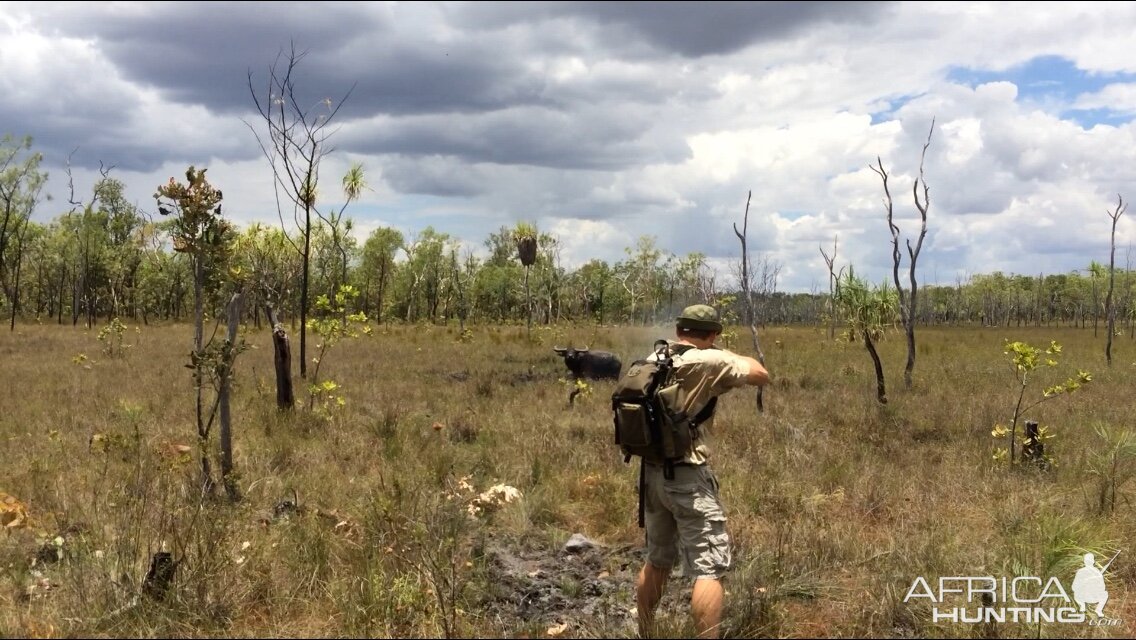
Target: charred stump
pixel 282 358
pixel 160 577
pixel 1033 450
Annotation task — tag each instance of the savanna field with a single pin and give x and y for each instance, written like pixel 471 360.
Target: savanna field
pixel 379 517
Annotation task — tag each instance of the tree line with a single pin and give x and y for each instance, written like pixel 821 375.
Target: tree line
pixel 103 257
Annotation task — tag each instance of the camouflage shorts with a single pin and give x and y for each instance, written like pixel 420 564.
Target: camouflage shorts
pixel 684 517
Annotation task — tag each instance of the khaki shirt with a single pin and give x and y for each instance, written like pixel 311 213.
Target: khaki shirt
pixel 702 374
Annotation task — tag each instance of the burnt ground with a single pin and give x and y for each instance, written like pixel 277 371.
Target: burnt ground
pixel 584 590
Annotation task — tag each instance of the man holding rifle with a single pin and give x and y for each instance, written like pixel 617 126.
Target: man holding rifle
pixel 682 512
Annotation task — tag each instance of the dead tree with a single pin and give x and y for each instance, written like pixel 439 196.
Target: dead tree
pixel 907 300
pixel 1115 215
pixel 749 298
pixel 830 261
pixel 297 141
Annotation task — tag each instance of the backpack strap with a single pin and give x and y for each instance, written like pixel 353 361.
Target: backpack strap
pixel 642 491
pixel 707 412
pixel 678 348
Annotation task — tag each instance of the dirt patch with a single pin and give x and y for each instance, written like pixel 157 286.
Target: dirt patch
pixel 589 590
pixel 584 591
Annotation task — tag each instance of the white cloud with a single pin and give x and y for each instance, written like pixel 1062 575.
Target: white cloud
pixel 1119 97
pixel 583 240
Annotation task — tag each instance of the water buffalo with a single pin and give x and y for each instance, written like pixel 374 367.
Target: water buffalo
pixel 595 365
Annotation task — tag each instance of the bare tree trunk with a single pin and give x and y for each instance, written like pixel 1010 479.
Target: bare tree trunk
pixel 304 295
pixel 229 355
pixel 296 143
pixel 282 358
pixel 830 261
pixel 199 374
pixel 459 289
pixel 528 305
pixel 749 299
pixel 881 392
pixel 913 257
pixel 907 300
pixel 1128 293
pixel 62 282
pixel 527 252
pixel 1115 215
pixel 19 261
pixel 1096 306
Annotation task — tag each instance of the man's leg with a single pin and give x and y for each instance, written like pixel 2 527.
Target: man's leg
pixel 648 591
pixel 661 532
pixel 706 606
pixel 706 546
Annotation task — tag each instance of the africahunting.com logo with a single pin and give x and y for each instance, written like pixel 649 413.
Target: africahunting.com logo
pixel 1025 599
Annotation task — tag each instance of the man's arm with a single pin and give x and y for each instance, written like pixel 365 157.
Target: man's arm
pixel 758 375
pixel 755 373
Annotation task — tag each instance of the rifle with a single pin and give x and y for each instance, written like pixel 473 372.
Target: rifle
pixel 1105 567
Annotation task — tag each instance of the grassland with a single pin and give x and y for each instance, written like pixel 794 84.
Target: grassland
pixel 835 503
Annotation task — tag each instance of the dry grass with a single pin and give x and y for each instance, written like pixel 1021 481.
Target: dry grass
pixel 836 504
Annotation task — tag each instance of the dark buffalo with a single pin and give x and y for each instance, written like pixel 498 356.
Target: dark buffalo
pixel 584 363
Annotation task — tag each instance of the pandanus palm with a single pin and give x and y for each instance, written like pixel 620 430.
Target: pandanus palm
pixel 525 236
pixel 868 311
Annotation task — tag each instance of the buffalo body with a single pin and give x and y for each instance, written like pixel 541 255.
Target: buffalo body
pixel 587 364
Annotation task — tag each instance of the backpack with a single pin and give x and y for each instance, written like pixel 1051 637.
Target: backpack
pixel 646 425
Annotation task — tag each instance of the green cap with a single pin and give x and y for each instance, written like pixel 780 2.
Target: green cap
pixel 699 316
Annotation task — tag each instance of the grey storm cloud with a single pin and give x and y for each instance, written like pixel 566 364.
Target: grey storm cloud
pixel 408 62
pixel 435 176
pixel 195 54
pixel 685 28
pixel 202 52
pixel 58 132
pixel 529 136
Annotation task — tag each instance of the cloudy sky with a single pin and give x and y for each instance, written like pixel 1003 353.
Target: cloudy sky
pixel 606 121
